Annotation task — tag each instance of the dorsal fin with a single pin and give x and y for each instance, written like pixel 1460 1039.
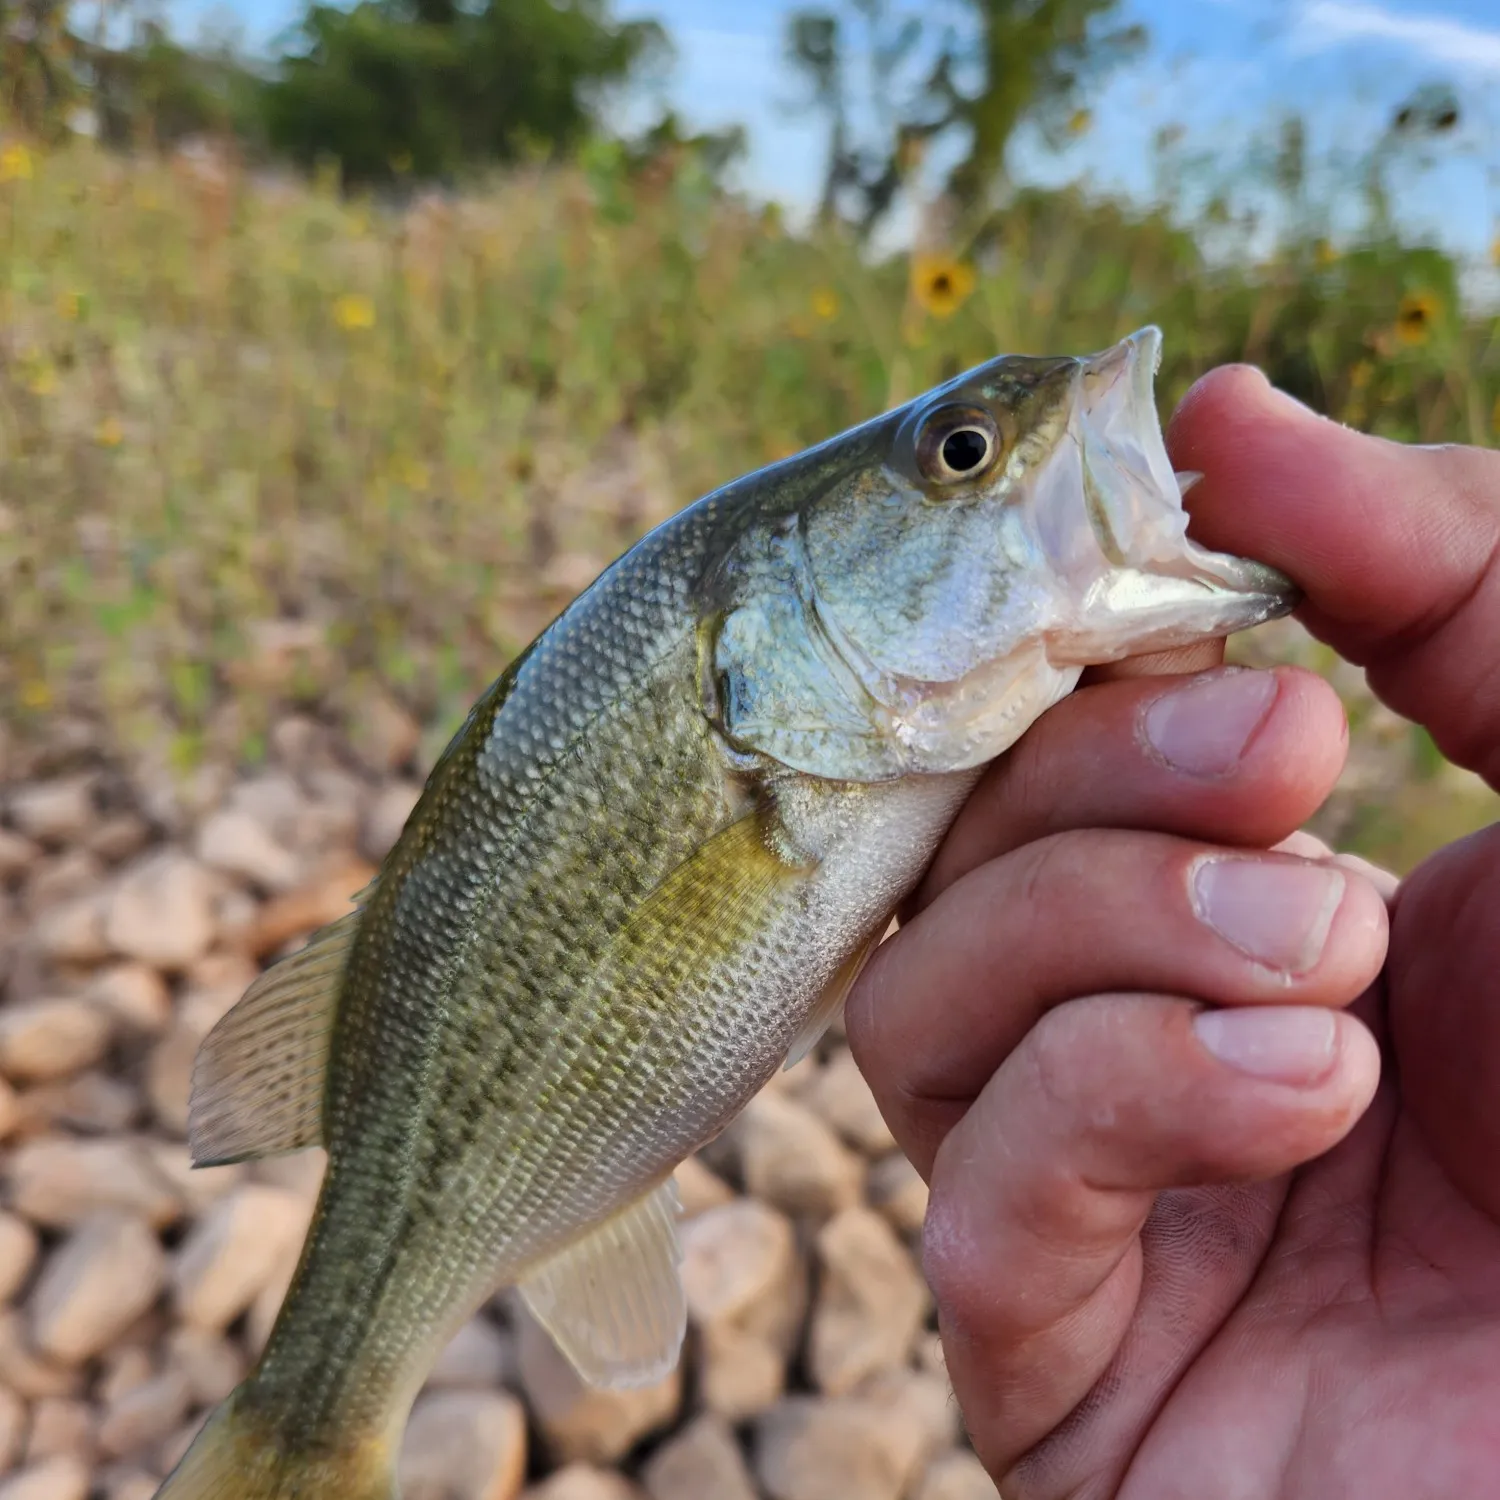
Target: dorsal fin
pixel 258 1077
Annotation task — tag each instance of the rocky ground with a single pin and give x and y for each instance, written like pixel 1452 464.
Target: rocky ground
pixel 133 912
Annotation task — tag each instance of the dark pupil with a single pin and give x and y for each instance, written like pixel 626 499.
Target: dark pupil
pixel 964 450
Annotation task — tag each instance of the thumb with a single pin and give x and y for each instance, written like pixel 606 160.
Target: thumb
pixel 1397 547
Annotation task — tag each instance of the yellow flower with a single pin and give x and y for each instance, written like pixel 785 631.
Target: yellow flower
pixel 69 306
pixel 1324 253
pixel 1080 121
pixel 940 284
pixel 15 163
pixel 1415 317
pixel 110 433
pixel 35 693
pixel 353 312
pixel 825 304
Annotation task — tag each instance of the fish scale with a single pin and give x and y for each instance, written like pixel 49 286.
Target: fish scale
pixel 645 872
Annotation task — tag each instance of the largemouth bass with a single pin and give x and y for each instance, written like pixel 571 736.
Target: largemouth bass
pixel 646 870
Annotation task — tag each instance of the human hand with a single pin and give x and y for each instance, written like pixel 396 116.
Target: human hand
pixel 1196 1228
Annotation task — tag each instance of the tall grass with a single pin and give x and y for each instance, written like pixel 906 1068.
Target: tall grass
pixel 261 443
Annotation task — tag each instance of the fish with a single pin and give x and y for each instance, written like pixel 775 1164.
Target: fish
pixel 648 868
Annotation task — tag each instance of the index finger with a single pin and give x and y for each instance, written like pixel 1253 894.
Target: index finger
pixel 1396 546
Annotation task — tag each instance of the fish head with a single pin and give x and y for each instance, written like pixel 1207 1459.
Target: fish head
pixel 961 561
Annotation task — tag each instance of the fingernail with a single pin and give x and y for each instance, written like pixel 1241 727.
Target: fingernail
pixel 1204 727
pixel 1290 1043
pixel 1275 911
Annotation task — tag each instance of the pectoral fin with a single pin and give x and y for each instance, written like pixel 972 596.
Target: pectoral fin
pixel 831 1001
pixel 613 1300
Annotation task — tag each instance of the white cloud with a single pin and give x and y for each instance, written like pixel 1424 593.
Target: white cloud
pixel 1324 24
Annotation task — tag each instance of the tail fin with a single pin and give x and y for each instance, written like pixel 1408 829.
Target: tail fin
pixel 235 1458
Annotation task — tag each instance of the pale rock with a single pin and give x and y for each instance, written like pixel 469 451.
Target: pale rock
pixel 55 812
pixel 234 843
pixel 920 1412
pixel 92 1103
pixel 73 932
pixel 16 854
pixel 236 914
pixel 168 1453
pixel 267 1304
pixel 145 1415
pixel 62 1478
pixel 119 836
pixel 791 1159
pixel 133 993
pixel 386 817
pixel 212 986
pixel 297 740
pixel 210 1363
pixel 580 1481
pixel 162 911
pixel 94 1285
pixel 126 1481
pixel 197 1188
pixel 322 898
pixel 18 1247
pixel 898 1192
pixel 381 733
pixel 840 1449
pixel 299 1172
pixel 122 1369
pixel 58 1181
pixel 746 1290
pixel 233 1251
pixel 13 1418
pixel 477 1357
pixel 333 819
pixel 51 1038
pixel 839 1094
pixel 64 877
pixel 464 1445
pixel 956 1476
pixel 700 1189
pixel 702 1462
pixel 169 1076
pixel 59 1426
pixel 579 1421
pixel 871 1302
pixel 274 801
pixel 26 1372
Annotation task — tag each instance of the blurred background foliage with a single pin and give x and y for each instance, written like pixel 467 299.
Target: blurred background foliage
pixel 356 363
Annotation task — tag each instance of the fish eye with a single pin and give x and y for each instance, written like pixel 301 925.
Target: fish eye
pixel 956 444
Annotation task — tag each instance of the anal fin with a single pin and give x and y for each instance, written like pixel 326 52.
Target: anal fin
pixel 259 1074
pixel 613 1300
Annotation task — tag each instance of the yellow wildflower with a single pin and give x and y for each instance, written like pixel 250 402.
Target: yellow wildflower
pixel 69 306
pixel 1415 317
pixel 35 693
pixel 1324 253
pixel 353 312
pixel 1080 121
pixel 110 433
pixel 940 284
pixel 825 304
pixel 15 163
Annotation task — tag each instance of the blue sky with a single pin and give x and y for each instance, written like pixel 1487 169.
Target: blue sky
pixel 1219 68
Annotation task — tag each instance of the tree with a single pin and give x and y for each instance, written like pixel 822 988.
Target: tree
pixel 992 67
pixel 435 86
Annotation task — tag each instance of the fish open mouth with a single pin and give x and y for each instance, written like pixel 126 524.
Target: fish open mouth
pixel 1139 583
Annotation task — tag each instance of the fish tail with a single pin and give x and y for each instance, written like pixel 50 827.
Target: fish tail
pixel 236 1456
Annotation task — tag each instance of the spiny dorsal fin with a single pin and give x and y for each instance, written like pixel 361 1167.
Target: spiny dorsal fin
pixel 258 1077
pixel 613 1300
